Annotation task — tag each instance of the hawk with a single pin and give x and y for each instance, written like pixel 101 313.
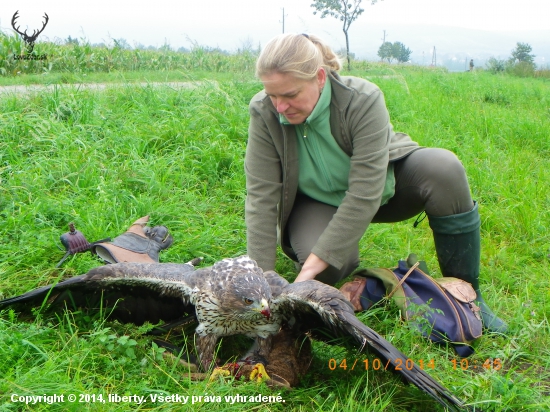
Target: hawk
pixel 234 296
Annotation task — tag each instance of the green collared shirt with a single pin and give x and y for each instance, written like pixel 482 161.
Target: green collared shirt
pixel 324 166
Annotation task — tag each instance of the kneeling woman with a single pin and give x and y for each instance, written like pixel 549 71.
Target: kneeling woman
pixel 323 162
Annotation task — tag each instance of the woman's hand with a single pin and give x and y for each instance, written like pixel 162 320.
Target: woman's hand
pixel 312 267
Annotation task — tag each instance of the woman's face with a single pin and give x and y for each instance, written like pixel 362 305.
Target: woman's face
pixel 292 97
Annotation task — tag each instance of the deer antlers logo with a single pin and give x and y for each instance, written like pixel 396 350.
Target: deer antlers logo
pixel 29 39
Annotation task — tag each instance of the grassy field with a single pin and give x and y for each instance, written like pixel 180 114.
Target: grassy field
pixel 102 159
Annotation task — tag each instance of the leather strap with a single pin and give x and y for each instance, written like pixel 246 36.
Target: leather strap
pixel 413 267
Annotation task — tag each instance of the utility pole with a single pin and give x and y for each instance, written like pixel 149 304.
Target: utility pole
pixel 284 20
pixel 434 58
pixel 383 42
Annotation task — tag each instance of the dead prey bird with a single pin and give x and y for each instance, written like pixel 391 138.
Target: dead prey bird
pixel 234 296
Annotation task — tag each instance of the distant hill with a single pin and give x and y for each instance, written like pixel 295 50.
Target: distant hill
pixel 454 46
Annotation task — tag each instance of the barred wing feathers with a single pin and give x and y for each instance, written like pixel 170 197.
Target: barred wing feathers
pixel 313 304
pixel 138 292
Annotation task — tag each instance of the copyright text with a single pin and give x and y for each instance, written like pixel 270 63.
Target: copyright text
pixel 138 400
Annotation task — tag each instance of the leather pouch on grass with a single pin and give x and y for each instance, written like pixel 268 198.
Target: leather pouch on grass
pixel 442 309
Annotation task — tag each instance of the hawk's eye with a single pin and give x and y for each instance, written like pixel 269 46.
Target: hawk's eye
pixel 248 301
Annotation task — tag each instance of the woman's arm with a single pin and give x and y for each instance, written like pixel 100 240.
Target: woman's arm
pixel 368 127
pixel 263 184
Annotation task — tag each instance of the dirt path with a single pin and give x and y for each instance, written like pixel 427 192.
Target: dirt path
pixel 35 88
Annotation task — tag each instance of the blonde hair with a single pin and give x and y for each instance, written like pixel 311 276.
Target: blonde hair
pixel 301 55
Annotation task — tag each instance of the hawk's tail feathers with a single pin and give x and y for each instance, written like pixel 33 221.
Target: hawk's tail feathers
pixel 391 355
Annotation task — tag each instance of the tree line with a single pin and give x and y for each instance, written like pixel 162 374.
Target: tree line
pixel 521 62
pixel 394 51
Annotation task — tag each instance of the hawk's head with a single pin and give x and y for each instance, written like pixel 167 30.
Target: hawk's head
pixel 241 288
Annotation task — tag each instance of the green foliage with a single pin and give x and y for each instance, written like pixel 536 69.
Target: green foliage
pixel 401 53
pixel 103 158
pixel 523 69
pixel 522 62
pixel 522 53
pixel 385 52
pixel 347 11
pixel 123 346
pixel 398 51
pixel 543 72
pixel 519 69
pixel 495 65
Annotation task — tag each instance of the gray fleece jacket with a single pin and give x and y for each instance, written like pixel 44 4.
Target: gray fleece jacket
pixel 360 124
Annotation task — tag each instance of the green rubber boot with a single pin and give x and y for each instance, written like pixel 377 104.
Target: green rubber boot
pixel 458 247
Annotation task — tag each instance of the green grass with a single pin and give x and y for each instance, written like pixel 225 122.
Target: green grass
pixel 102 159
pixel 126 77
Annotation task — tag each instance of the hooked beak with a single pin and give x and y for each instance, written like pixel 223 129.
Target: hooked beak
pixel 265 309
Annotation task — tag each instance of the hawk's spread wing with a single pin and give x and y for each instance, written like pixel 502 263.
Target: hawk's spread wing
pixel 313 305
pixel 152 292
pixel 138 292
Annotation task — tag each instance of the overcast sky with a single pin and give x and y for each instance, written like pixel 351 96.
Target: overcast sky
pixel 230 24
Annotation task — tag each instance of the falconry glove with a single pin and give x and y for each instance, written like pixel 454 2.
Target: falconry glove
pixel 140 243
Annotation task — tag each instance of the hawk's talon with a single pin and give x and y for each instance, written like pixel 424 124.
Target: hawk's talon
pixel 259 374
pixel 219 372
